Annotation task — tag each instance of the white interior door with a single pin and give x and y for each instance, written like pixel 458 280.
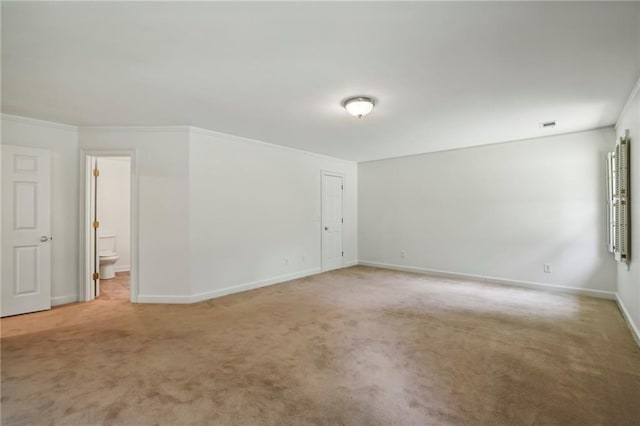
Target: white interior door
pixel 26 230
pixel 332 254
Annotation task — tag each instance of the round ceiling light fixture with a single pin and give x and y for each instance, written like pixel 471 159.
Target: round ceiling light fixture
pixel 359 106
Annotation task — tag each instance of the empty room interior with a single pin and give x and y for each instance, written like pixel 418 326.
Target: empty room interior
pixel 320 213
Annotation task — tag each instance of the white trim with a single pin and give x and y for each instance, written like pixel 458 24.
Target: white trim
pixel 635 332
pixel 118 159
pixel 491 144
pixel 212 133
pixel 188 129
pixel 235 138
pixel 83 223
pixel 177 129
pixel 63 300
pixel 164 299
pixel 627 104
pixel 150 298
pixel 35 122
pixel 349 264
pixel 493 280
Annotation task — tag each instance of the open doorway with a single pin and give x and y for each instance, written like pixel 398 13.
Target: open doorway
pixel 109 261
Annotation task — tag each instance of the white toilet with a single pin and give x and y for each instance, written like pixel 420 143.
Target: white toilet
pixel 107 245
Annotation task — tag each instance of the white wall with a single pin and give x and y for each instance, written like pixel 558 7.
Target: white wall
pixel 62 141
pixel 114 199
pixel 498 211
pixel 629 277
pixel 203 207
pixel 253 205
pixel 219 213
pixel 163 193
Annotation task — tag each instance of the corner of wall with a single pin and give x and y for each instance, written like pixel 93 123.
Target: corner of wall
pixel 628 276
pixel 633 328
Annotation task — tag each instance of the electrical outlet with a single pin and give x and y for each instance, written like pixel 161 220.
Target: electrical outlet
pixel 304 259
pixel 403 254
pixel 546 268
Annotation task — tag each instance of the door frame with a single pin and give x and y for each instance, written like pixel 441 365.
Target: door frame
pixel 324 173
pixel 86 282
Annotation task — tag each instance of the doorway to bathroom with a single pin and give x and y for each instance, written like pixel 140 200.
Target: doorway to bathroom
pixel 109 227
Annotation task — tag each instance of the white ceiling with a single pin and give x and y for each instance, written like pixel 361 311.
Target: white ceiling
pixel 447 75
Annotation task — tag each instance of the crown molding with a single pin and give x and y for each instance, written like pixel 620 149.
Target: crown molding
pixel 242 139
pixel 492 144
pixel 35 122
pixel 176 129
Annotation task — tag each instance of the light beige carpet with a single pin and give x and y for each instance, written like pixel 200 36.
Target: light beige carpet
pixel 359 346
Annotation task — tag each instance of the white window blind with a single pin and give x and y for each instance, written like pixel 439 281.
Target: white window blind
pixel 618 200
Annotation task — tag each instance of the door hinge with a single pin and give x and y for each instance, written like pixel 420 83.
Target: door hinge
pixel 343 253
pixel 95 224
pixel 96 276
pixel 341 186
pixel 342 220
pixel 96 172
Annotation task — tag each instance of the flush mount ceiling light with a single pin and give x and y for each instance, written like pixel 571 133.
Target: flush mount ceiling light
pixel 359 105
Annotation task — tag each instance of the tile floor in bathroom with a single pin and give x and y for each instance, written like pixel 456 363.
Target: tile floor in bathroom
pixel 117 288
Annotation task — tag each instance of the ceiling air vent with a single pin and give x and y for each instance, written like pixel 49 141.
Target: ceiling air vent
pixel 547 124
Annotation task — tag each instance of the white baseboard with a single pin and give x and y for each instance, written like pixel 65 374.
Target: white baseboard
pixel 635 332
pixel 122 268
pixel 169 298
pixel 147 298
pixel 349 264
pixel 63 300
pixel 253 285
pixel 525 284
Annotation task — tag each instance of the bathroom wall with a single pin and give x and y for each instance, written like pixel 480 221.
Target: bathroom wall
pixel 114 205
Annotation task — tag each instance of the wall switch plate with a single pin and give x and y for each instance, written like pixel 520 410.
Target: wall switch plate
pixel 546 268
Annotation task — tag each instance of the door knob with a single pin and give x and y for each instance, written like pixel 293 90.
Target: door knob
pixel 44 239
pixel 326 228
